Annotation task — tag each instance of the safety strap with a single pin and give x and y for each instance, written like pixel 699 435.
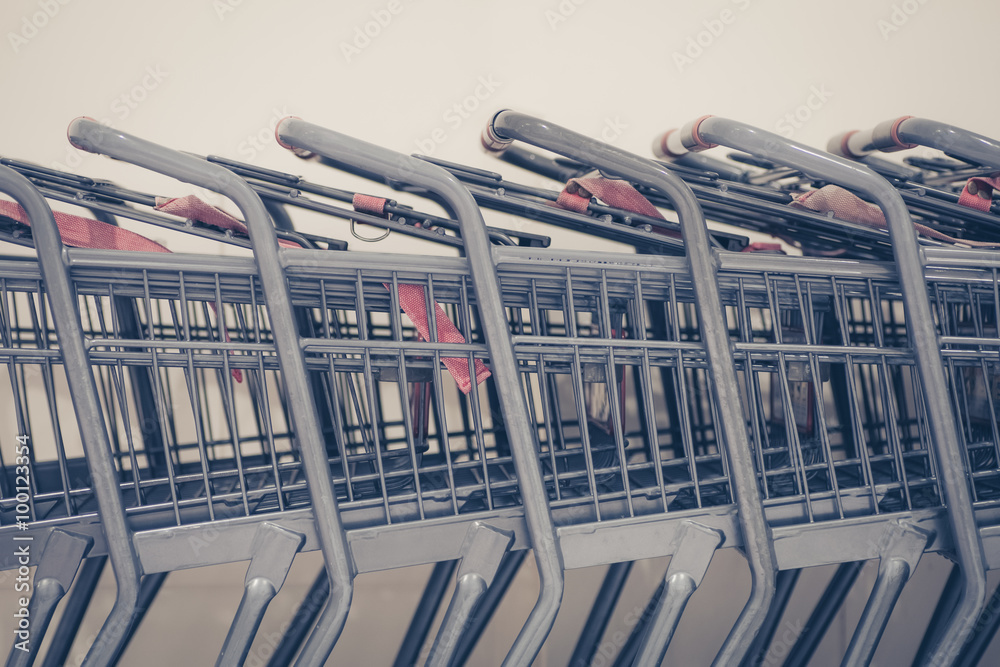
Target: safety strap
pixel 978 192
pixel 851 208
pixel 78 232
pixel 413 302
pixel 764 247
pixel 613 192
pixel 192 208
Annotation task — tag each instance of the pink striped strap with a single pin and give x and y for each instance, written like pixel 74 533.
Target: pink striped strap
pixel 192 208
pixel 619 194
pixel 613 192
pixel 80 232
pixel 851 208
pixel 764 246
pixel 978 192
pixel 413 302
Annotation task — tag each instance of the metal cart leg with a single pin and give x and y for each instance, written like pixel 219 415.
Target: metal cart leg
pixel 983 633
pixel 423 617
pixel 784 587
pixel 626 657
pixel 55 573
pixel 274 549
pixel 149 588
pixel 302 622
pixel 485 547
pixel 74 610
pixel 905 547
pixel 696 544
pixel 824 612
pixel 600 613
pixel 509 567
pixel 946 604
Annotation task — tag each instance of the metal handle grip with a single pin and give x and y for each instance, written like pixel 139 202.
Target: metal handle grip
pixel 909 132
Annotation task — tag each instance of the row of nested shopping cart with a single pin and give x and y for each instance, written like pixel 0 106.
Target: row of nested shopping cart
pixel 831 399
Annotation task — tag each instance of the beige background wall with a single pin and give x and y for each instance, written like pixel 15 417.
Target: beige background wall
pixel 214 77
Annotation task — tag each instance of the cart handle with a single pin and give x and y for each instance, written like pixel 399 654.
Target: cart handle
pixel 711 130
pixel 297 134
pixel 908 132
pixel 89 135
pixel 507 126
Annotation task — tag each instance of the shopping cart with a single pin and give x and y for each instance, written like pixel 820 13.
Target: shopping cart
pixel 638 405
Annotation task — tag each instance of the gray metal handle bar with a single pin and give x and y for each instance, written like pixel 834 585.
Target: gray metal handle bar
pixel 507 126
pixel 91 136
pixel 708 131
pixel 345 150
pixel 89 414
pixel 908 132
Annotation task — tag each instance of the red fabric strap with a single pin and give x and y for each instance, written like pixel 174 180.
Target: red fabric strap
pixel 80 232
pixel 369 204
pixel 192 208
pixel 620 194
pixel 978 192
pixel 413 302
pixel 847 206
pixel 763 246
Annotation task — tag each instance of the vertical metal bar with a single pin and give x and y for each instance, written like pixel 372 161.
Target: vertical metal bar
pixel 74 610
pixel 302 622
pixel 509 567
pixel 892 577
pixel 984 631
pixel 600 613
pixel 824 612
pixel 946 602
pixel 148 590
pixel 423 617
pixel 93 429
pixel 784 587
